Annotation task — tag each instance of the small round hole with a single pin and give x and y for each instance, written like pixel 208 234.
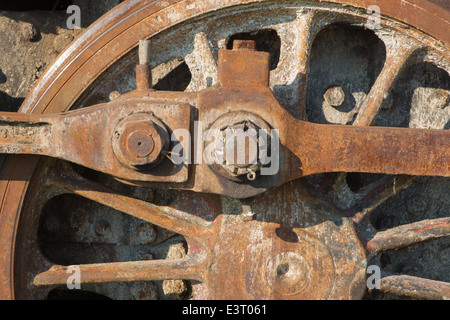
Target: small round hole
pixel 282 269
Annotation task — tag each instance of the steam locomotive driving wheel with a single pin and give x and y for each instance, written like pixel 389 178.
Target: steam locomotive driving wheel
pixel 234 150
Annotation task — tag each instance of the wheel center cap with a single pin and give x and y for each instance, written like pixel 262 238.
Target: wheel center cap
pixel 294 247
pixel 261 265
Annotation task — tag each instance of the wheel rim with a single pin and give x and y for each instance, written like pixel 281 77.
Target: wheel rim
pixel 45 98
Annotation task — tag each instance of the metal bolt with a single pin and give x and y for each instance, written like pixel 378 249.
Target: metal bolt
pixel 144 52
pixel 102 228
pixel 334 96
pixel 251 175
pixel 237 149
pixel 242 141
pixel 140 144
pixel 143 291
pixel 140 140
pixel 145 234
pixel 114 95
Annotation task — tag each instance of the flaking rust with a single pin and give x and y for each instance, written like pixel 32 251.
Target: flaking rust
pixel 281 241
pixel 243 73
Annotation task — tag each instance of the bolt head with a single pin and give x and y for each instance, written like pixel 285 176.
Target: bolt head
pixel 241 142
pixel 102 228
pixel 140 143
pixel 334 96
pixel 140 140
pixel 145 234
pixel 237 148
pixel 114 95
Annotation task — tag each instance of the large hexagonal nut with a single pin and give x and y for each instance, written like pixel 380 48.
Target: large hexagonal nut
pixel 237 148
pixel 140 140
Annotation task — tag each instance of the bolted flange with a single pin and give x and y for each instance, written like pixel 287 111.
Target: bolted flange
pixel 140 140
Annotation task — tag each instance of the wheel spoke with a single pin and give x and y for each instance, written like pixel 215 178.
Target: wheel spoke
pixel 409 234
pixel 376 195
pixel 191 268
pixel 202 65
pixel 294 60
pixel 166 217
pixel 395 63
pixel 415 287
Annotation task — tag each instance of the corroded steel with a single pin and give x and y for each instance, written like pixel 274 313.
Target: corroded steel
pixel 264 252
pixel 120 139
pixel 140 141
pixel 143 69
pixel 415 287
pixel 299 258
pixel 305 148
pixel 407 235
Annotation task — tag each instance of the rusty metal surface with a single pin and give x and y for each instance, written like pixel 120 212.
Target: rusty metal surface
pixel 288 243
pixel 243 76
pixel 286 256
pixel 100 139
pixel 416 287
pixel 407 235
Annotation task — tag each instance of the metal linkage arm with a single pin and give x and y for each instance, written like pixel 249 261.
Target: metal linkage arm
pixel 124 139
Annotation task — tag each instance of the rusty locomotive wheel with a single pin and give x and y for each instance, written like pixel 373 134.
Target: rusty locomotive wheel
pixel 330 62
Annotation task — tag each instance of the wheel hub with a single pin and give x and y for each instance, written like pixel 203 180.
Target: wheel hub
pixel 261 265
pixel 272 259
